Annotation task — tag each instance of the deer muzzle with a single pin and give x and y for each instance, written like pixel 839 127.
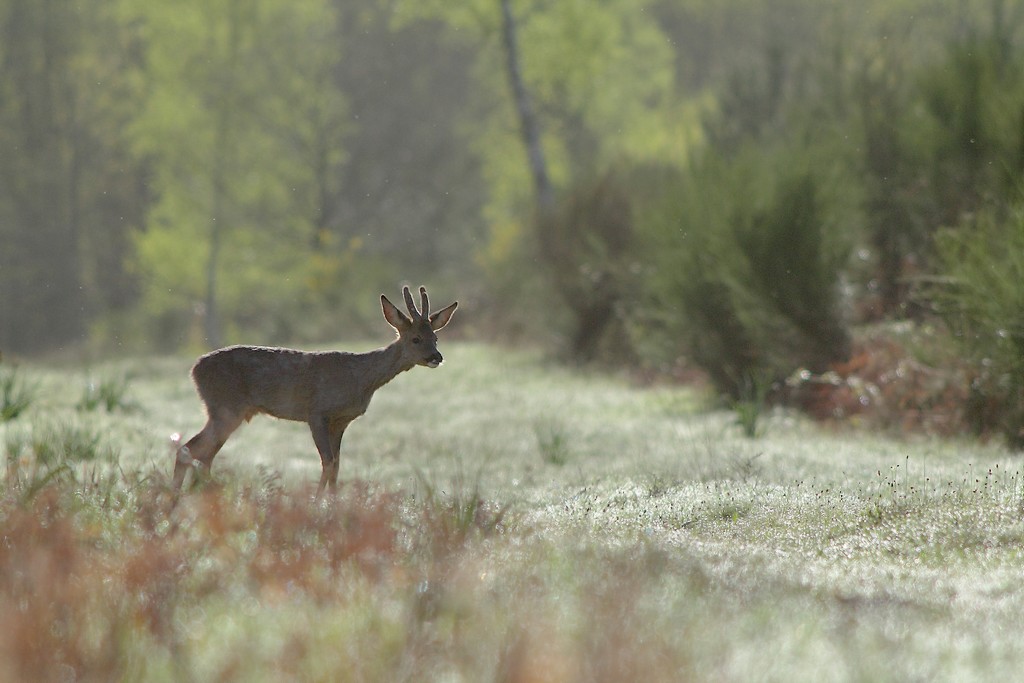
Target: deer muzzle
pixel 434 360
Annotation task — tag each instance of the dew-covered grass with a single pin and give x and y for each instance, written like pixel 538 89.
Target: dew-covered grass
pixel 502 519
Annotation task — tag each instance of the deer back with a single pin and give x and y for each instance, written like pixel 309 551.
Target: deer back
pixel 253 379
pixel 290 384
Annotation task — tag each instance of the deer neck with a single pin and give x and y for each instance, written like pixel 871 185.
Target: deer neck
pixel 387 363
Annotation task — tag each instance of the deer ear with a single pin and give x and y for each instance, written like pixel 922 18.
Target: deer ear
pixel 394 316
pixel 441 318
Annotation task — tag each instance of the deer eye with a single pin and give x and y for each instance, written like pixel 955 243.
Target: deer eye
pixel 416 340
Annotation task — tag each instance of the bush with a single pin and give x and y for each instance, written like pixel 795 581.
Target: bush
pixel 746 275
pixel 585 250
pixel 792 278
pixel 982 301
pixel 587 245
pixel 901 377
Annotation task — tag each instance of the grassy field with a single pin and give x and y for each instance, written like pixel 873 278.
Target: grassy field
pixel 502 520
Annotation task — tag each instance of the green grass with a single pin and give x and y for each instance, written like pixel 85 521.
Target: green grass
pixel 15 395
pixel 109 393
pixel 503 520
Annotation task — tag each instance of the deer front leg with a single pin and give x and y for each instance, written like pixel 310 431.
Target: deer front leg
pixel 337 431
pixel 327 435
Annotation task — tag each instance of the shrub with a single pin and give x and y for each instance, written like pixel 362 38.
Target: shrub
pixel 586 244
pixel 749 408
pixel 792 278
pixel 982 301
pixel 902 377
pixel 971 132
pixel 746 274
pixel 587 247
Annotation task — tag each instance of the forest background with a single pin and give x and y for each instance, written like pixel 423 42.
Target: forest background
pixel 809 201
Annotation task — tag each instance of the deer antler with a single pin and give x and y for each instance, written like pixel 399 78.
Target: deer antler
pixel 424 303
pixel 410 305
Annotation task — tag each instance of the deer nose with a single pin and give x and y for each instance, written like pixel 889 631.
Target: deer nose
pixel 435 359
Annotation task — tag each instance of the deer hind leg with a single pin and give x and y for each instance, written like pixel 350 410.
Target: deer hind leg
pixel 201 448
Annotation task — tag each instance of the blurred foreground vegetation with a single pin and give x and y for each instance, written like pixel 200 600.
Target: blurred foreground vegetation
pixel 809 202
pixel 565 527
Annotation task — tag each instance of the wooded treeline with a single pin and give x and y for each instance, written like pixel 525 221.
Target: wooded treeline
pixel 192 172
pixel 743 184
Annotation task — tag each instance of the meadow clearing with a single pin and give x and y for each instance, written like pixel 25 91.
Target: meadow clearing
pixel 502 519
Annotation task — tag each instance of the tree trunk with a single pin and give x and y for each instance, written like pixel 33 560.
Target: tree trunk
pixel 529 126
pixel 222 149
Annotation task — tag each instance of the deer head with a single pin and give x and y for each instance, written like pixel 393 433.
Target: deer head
pixel 416 332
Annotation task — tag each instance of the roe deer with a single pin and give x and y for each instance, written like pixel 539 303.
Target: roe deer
pixel 326 390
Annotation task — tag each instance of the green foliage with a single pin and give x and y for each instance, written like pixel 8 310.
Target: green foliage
pixel 587 246
pixel 181 172
pixel 972 132
pixel 790 279
pixel 51 452
pixel 456 517
pixel 222 106
pixel 111 394
pixel 16 394
pixel 70 192
pixel 898 220
pixel 553 441
pixel 983 302
pixel 54 445
pixel 749 288
pixel 601 76
pixel 751 405
pixel 941 139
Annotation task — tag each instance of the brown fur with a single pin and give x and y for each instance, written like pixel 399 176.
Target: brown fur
pixel 326 390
